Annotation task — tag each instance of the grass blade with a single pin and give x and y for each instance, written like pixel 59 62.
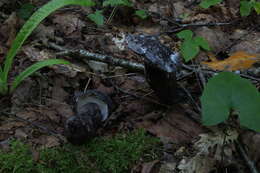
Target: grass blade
pixel 32 23
pixel 30 70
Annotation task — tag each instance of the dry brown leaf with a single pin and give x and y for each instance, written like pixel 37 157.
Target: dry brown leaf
pixel 148 167
pixel 174 125
pixel 237 61
pixel 68 23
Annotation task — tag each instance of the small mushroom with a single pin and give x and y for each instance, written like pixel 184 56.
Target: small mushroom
pixel 92 108
pixel 161 65
pixel 93 96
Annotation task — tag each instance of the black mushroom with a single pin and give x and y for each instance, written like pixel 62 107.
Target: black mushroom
pixel 161 65
pixel 92 108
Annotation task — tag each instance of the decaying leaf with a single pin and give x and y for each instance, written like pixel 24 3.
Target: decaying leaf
pixel 208 141
pixel 237 61
pixel 209 151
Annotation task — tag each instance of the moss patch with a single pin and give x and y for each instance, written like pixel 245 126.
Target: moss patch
pixel 105 154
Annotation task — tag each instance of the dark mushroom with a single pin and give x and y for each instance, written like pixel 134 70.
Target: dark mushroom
pixel 161 65
pixel 80 128
pixel 92 107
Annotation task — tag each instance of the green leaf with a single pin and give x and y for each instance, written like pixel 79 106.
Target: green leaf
pixel 228 91
pixel 30 70
pixel 1 86
pixel 257 7
pixel 97 17
pixel 245 8
pixel 117 3
pixel 185 34
pixel 32 23
pixel 208 3
pixel 26 11
pixel 200 41
pixel 141 13
pixel 184 15
pixel 189 49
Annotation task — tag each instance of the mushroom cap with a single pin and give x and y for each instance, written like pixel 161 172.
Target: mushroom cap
pixel 93 96
pixel 83 126
pixel 154 52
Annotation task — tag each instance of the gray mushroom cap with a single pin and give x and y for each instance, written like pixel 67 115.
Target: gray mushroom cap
pixel 154 52
pixel 93 96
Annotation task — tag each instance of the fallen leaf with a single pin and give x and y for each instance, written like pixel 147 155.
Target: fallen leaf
pixel 149 166
pixel 174 125
pixel 20 134
pixel 8 29
pixel 68 23
pixel 237 61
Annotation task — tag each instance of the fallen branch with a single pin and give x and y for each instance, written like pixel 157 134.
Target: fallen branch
pixel 86 56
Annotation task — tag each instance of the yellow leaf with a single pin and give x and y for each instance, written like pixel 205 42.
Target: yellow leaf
pixel 237 61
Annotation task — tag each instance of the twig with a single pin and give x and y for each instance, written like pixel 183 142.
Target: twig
pixel 206 24
pixel 136 67
pixel 183 26
pixel 86 86
pixel 191 98
pixel 250 77
pixel 86 55
pixel 249 163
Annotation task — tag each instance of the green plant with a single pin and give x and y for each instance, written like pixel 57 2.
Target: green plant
pixel 63 159
pixel 114 154
pixel 117 154
pixel 141 13
pixel 98 17
pixel 23 34
pixel 209 3
pixel 228 92
pixel 184 16
pixel 114 3
pixel 18 160
pixel 245 6
pixel 190 47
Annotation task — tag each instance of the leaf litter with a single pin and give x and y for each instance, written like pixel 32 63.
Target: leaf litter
pixel 47 98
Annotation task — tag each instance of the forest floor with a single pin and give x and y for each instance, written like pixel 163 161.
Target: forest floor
pixel 33 117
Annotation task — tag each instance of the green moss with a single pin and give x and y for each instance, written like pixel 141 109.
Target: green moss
pixel 119 153
pixel 17 160
pixel 116 154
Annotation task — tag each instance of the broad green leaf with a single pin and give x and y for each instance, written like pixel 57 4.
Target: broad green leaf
pixel 208 3
pixel 257 7
pixel 97 17
pixel 185 34
pixel 200 41
pixel 25 11
pixel 141 13
pixel 228 91
pixel 33 68
pixel 32 23
pixel 117 3
pixel 245 8
pixel 189 49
